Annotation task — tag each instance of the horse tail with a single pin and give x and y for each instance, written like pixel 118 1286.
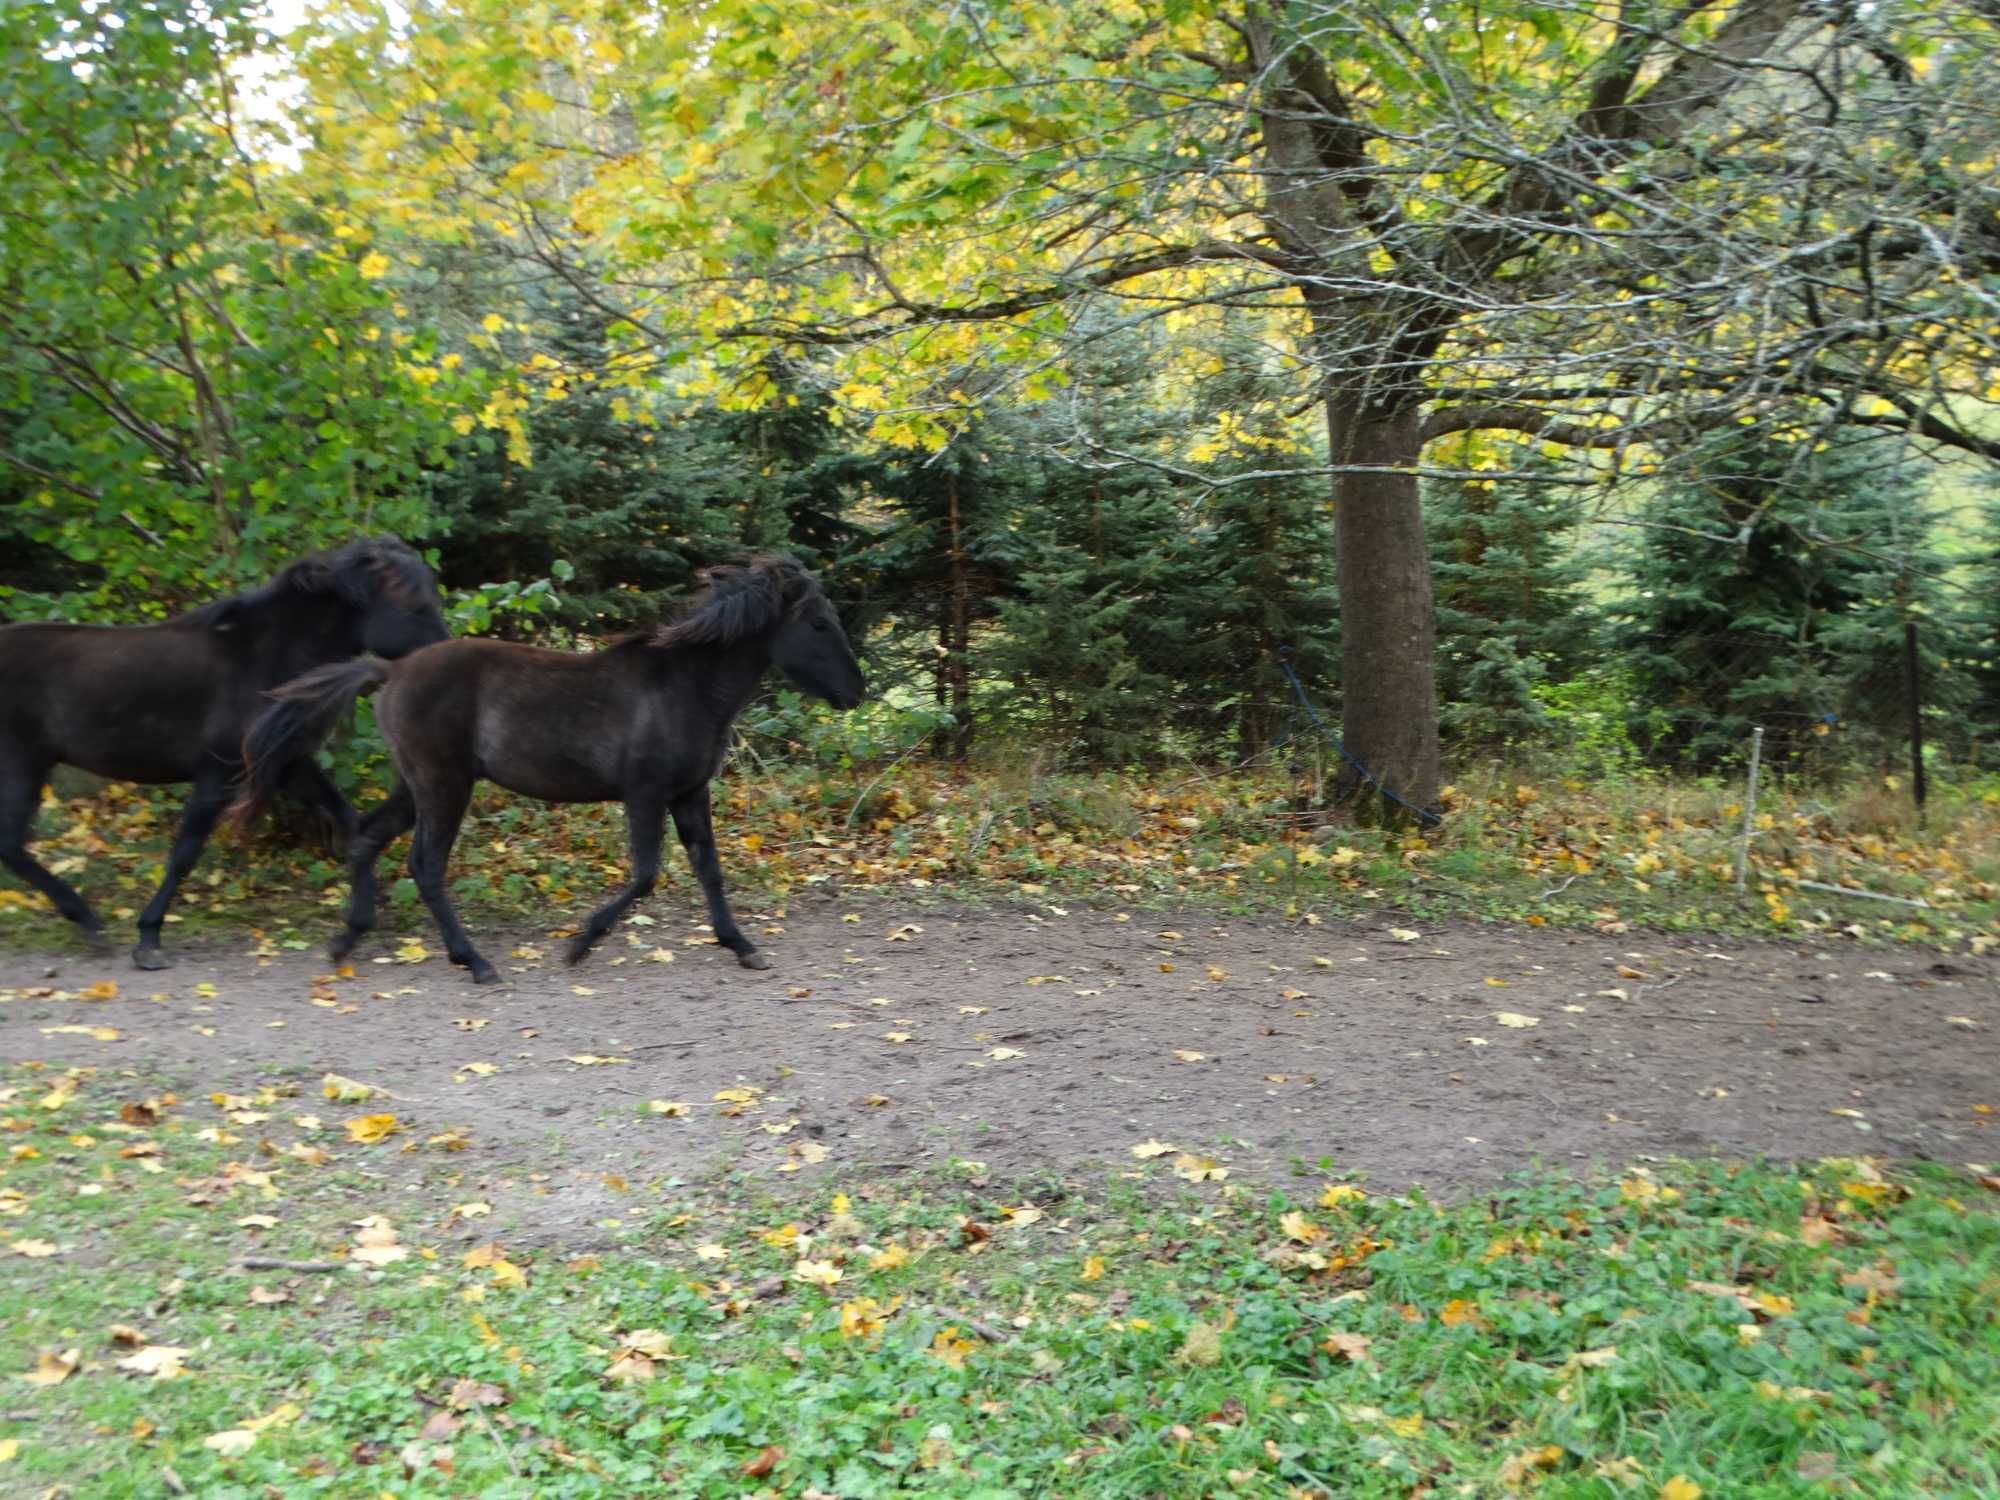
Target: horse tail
pixel 302 714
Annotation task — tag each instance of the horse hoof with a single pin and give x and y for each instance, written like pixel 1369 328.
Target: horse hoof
pixel 483 972
pixel 151 958
pixel 753 960
pixel 578 950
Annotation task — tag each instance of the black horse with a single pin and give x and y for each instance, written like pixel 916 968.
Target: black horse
pixel 644 721
pixel 170 702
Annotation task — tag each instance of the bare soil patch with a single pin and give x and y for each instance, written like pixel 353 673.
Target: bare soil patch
pixel 1043 1040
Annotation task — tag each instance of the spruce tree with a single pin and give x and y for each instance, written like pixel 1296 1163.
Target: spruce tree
pixel 1770 586
pixel 1511 608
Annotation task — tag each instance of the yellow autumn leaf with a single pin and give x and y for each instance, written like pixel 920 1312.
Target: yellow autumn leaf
pixel 1680 1487
pixel 672 1109
pixel 863 1317
pixel 1298 1227
pixel 53 1367
pixel 1339 1193
pixel 1093 1269
pixel 950 1347
pixel 816 1272
pixel 1192 1168
pixel 232 1442
pixel 371 1129
pixel 346 1090
pixel 1146 1150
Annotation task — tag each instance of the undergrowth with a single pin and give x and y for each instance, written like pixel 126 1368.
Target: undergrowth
pixel 1611 853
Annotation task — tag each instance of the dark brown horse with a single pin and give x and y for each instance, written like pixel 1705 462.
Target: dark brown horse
pixel 171 702
pixel 644 721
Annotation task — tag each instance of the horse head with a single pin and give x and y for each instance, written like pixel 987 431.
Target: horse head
pixel 774 598
pixel 384 589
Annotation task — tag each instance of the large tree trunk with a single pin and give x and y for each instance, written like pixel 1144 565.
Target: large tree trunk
pixel 1388 632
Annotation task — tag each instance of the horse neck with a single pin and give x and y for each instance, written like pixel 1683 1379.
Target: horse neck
pixel 725 677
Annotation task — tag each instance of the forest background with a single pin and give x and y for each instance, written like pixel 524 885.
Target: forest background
pixel 1236 434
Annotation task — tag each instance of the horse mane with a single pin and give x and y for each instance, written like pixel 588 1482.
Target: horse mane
pixel 740 601
pixel 354 574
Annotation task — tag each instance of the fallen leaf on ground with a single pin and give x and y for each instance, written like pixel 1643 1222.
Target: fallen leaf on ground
pixel 1352 1346
pixel 1146 1150
pixel 371 1129
pixel 161 1361
pixel 53 1367
pixel 346 1090
pixel 1516 1020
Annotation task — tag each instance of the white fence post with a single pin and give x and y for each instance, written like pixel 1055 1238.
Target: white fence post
pixel 1749 808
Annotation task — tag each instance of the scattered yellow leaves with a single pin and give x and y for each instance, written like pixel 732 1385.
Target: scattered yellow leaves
pixel 1192 1168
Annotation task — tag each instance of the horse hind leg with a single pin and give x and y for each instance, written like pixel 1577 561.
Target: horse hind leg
pixel 438 817
pixel 645 821
pixel 205 803
pixel 20 794
pixel 379 829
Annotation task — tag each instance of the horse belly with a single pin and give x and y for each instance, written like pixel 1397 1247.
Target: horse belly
pixel 544 766
pixel 141 736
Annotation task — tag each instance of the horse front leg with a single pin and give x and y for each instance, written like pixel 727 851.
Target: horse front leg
pixel 207 799
pixel 377 831
pixel 440 810
pixel 20 793
pixel 695 825
pixel 646 829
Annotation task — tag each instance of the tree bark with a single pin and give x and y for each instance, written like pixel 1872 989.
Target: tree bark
pixel 1388 630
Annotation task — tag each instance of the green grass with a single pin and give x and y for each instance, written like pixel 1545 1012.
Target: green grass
pixel 1131 1335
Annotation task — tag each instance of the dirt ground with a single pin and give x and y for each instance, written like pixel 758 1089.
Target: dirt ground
pixel 902 1035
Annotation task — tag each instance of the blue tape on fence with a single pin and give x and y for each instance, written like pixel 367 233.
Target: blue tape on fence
pixel 1425 817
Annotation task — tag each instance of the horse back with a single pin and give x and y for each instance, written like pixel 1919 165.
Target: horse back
pixel 134 703
pixel 560 726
